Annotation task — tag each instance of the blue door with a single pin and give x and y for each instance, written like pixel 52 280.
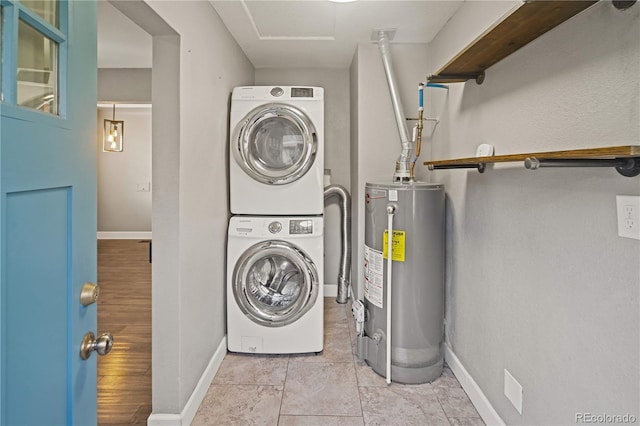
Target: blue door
pixel 47 211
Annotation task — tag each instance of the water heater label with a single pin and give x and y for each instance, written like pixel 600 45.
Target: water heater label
pixel 373 281
pixel 397 245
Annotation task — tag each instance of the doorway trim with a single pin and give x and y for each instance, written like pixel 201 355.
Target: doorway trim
pixel 165 168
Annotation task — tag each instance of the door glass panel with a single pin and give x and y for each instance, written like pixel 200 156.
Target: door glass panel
pixel 47 9
pixel 277 144
pixel 37 70
pixel 274 282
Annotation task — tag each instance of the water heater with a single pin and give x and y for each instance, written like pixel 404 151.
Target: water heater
pixel 415 213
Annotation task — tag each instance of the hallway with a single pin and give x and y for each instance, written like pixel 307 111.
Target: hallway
pixel 124 309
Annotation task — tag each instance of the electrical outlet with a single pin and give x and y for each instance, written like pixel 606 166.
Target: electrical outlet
pixel 513 390
pixel 484 150
pixel 628 211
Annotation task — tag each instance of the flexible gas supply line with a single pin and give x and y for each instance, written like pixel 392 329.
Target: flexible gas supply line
pixel 402 172
pixel 344 280
pixel 391 209
pixel 419 127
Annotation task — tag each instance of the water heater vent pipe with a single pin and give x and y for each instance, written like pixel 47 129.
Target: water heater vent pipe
pixel 402 172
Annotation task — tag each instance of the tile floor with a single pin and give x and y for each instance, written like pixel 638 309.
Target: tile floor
pixel 332 388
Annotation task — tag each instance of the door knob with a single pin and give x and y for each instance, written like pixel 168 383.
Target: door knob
pixel 89 293
pixel 102 345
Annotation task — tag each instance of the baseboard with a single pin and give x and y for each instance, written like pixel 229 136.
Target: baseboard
pixel 191 408
pixel 330 290
pixel 124 235
pixel 164 420
pixel 477 397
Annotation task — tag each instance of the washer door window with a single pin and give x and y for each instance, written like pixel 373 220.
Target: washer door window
pixel 275 283
pixel 275 144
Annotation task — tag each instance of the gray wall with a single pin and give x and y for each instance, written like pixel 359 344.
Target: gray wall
pixel 376 142
pixel 128 85
pixel 210 65
pixel 337 139
pixel 121 207
pixel 538 282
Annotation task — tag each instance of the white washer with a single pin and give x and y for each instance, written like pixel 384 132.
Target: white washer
pixel 276 164
pixel 274 285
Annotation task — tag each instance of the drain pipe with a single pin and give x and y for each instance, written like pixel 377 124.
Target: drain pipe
pixel 391 210
pixel 402 173
pixel 345 236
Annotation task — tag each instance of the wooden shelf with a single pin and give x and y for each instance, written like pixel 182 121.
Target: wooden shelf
pixel 626 159
pixel 627 151
pixel 524 25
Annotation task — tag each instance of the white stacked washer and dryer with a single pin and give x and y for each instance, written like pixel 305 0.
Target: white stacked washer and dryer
pixel 275 244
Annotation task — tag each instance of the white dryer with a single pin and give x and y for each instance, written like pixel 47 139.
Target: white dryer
pixel 274 284
pixel 276 164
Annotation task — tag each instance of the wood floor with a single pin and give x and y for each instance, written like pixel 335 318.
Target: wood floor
pixel 124 309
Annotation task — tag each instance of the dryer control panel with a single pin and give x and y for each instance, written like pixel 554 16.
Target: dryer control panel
pixel 275 227
pixel 300 227
pixel 281 93
pixel 302 92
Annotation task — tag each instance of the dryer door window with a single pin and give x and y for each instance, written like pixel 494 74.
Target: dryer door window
pixel 275 283
pixel 275 144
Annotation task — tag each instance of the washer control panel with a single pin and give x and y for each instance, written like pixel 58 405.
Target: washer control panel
pixel 271 227
pixel 301 227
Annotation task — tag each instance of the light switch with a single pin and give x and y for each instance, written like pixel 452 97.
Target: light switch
pixel 144 186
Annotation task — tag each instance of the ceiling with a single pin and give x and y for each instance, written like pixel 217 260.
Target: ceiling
pixel 320 33
pixel 287 33
pixel 121 43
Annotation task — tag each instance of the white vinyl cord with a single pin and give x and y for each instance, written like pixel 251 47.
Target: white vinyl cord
pixel 391 209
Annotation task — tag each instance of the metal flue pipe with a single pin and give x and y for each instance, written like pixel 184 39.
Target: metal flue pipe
pixel 345 239
pixel 402 172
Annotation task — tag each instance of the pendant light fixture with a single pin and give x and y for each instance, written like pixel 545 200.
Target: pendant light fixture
pixel 113 136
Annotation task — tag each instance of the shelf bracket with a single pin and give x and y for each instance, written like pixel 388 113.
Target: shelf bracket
pixel 628 167
pixel 447 78
pixel 435 120
pixel 481 167
pixel 623 4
